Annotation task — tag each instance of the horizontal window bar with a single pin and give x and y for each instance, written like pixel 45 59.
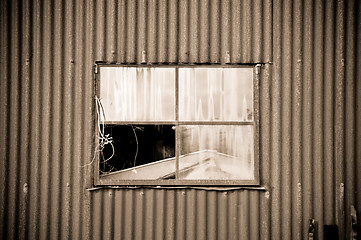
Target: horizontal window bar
pixel 175 123
pixel 215 123
pixel 140 122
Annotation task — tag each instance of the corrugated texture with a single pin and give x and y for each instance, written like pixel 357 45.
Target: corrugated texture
pixel 183 31
pixel 310 116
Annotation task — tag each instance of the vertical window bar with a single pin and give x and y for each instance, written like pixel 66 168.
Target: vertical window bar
pixel 177 133
pixel 256 86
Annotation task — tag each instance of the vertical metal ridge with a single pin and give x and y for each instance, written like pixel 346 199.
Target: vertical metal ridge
pixel 151 207
pixel 357 169
pixel 265 148
pixel 34 186
pixel 141 31
pixel 56 85
pixel 318 117
pixel 276 146
pixel 5 40
pixel 53 170
pixel 14 120
pixel 214 31
pixel 307 115
pixel 225 32
pixel 267 23
pixel 88 121
pixel 258 37
pixel 212 215
pixel 236 48
pixel 243 215
pixel 67 123
pixel 339 114
pixel 233 224
pixel 287 99
pixel 194 31
pixel 296 153
pixel 111 42
pixel 204 8
pixel 350 120
pixel 254 215
pixel 329 76
pixel 100 30
pixel 173 45
pixel 25 104
pixel 183 32
pixel 44 207
pixel 77 165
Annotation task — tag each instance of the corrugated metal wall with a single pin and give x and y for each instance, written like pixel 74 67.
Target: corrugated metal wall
pixel 310 116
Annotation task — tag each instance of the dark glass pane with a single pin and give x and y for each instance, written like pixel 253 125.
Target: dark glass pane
pixel 147 151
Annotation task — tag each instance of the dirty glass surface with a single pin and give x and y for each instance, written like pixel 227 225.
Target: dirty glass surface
pixel 211 137
pixel 216 152
pixel 216 94
pixel 138 94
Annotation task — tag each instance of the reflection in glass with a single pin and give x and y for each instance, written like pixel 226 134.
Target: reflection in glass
pixel 216 94
pixel 216 152
pixel 138 94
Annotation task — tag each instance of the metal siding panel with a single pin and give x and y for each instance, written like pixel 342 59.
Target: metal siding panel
pixel 5 119
pixel 297 230
pixel 204 27
pixel 121 38
pixel 34 184
pixel 173 22
pixel 212 215
pixel 339 109
pixel 318 117
pixel 225 32
pixel 141 30
pixel 309 116
pixel 350 129
pixel 307 137
pixel 25 118
pixel 357 169
pixel 180 228
pixel 162 32
pixel 329 157
pixel 265 149
pixel 76 183
pixel 214 31
pixel 276 145
pixel 286 120
pixel 237 28
pixel 194 31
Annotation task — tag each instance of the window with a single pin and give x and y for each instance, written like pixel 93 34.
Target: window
pixel 176 125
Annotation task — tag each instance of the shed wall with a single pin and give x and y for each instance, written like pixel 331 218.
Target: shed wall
pixel 310 116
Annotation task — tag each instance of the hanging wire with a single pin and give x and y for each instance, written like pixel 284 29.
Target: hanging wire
pixel 136 152
pixel 104 139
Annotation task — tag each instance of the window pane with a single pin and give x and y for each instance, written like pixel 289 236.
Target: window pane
pixel 216 152
pixel 137 94
pixel 216 94
pixel 139 151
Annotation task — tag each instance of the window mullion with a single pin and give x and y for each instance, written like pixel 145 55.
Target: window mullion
pixel 177 133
